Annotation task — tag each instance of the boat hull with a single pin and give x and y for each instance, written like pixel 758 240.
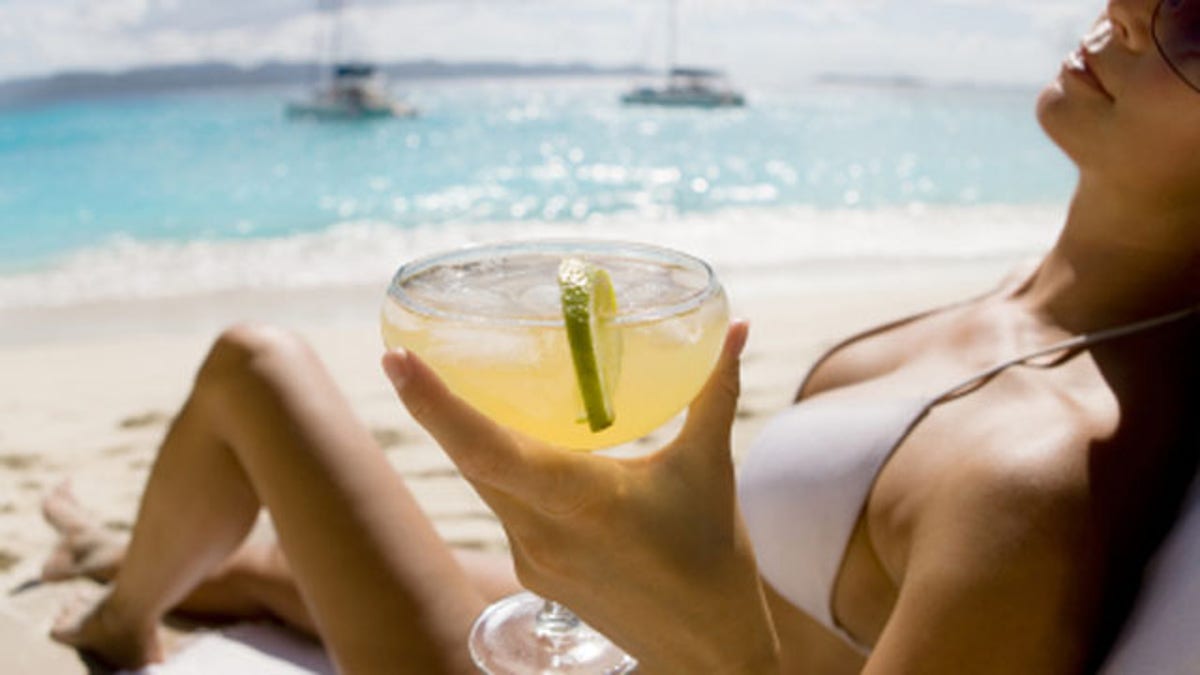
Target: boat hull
pixel 684 99
pixel 325 111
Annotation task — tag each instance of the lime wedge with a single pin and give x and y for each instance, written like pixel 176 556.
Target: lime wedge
pixel 589 305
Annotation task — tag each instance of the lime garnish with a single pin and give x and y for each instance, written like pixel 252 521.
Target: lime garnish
pixel 589 305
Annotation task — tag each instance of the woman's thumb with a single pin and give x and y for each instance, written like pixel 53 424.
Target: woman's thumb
pixel 710 417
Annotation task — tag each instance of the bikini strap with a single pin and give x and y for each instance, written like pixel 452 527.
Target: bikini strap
pixel 1071 344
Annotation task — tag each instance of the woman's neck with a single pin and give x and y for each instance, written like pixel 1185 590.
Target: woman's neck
pixel 1118 259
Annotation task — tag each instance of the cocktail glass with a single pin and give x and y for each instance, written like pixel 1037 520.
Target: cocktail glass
pixel 489 320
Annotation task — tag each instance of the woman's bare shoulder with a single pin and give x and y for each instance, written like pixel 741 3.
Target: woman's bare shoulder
pixel 1012 455
pixel 1004 558
pixel 1028 440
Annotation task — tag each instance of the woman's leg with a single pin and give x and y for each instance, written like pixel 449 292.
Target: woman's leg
pixel 266 426
pixel 254 582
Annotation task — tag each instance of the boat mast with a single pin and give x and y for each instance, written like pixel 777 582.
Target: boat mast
pixel 329 40
pixel 672 21
pixel 335 39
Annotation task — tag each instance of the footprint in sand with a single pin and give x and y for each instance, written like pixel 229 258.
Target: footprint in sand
pixel 387 437
pixel 8 560
pixel 118 450
pixel 436 472
pixel 478 545
pixel 149 418
pixel 19 462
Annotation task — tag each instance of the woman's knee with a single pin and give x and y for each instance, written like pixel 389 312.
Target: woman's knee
pixel 246 353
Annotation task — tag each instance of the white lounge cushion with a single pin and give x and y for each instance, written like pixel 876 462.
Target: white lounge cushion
pixel 1162 634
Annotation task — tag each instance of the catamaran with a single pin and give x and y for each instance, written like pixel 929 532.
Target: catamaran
pixel 347 89
pixel 351 91
pixel 686 87
pixel 691 87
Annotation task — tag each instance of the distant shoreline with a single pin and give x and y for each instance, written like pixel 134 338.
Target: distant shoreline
pixel 96 84
pixel 154 79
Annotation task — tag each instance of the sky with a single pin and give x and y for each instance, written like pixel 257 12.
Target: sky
pixel 757 41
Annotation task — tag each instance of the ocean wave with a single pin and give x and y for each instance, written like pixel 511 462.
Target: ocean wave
pixel 740 241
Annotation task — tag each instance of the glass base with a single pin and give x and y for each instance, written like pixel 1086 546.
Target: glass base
pixel 508 640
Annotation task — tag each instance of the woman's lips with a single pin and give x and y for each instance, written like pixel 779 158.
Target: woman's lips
pixel 1077 65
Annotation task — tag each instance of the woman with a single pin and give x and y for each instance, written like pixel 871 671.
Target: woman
pixel 971 490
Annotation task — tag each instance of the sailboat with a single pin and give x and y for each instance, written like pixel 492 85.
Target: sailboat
pixel 347 90
pixel 686 87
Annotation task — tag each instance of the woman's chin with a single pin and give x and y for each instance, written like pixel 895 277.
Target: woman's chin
pixel 1051 102
pixel 1053 112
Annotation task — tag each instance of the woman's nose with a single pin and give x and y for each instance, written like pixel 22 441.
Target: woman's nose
pixel 1131 22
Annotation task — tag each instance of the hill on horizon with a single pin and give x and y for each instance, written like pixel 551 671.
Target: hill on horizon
pixel 151 79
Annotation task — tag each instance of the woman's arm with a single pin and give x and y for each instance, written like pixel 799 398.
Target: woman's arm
pixel 649 551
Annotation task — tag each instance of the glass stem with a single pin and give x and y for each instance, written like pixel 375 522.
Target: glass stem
pixel 554 620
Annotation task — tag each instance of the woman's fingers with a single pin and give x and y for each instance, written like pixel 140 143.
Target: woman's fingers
pixel 475 443
pixel 710 417
pixel 547 478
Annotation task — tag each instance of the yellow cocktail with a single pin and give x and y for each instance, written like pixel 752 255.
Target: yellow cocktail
pixel 494 332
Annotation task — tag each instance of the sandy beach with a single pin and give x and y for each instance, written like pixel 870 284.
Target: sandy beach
pixel 88 392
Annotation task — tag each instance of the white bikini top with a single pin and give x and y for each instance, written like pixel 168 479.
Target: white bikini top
pixel 805 481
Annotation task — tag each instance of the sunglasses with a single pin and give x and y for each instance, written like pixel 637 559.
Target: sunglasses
pixel 1176 29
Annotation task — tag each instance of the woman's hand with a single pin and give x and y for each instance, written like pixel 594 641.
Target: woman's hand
pixel 649 551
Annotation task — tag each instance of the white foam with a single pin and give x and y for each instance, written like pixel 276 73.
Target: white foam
pixel 355 253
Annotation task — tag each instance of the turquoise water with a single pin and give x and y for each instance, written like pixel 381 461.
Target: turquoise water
pixel 159 174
